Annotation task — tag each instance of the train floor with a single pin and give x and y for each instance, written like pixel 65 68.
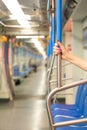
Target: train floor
pixel 28 110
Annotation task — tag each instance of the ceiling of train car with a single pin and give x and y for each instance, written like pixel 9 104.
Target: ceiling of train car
pixel 35 11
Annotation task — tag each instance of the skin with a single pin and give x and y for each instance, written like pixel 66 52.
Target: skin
pixel 69 57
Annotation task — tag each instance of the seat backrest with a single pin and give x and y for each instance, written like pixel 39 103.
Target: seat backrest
pixel 85 107
pixel 78 94
pixel 82 98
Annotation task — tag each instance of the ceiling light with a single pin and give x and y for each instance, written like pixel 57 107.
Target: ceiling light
pixel 15 9
pixel 24 23
pixel 39 47
pixel 25 37
pixel 26 17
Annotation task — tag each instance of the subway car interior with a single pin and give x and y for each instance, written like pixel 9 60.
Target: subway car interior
pixel 38 89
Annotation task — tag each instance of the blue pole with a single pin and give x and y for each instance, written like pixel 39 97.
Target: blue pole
pixel 59 20
pixel 53 30
pixel 59 37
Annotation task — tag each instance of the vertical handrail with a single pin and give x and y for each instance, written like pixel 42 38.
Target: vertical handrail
pixel 53 56
pixel 49 73
pixel 59 37
pixel 53 41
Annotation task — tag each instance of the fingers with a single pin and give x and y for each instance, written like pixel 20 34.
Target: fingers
pixel 59 44
pixel 57 50
pixel 56 44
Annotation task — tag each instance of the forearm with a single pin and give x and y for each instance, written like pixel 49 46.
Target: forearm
pixel 77 61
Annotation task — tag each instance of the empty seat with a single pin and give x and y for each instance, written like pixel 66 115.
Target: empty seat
pixel 79 109
pixel 81 126
pixel 70 106
pixel 16 70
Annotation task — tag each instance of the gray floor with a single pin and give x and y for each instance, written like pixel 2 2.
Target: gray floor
pixel 28 110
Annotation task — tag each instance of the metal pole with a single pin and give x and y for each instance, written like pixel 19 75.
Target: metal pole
pixel 59 37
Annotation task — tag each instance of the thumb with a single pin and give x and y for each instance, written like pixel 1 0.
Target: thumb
pixel 59 44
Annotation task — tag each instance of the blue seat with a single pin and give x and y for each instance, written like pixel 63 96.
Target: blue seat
pixel 22 74
pixel 25 70
pixel 30 69
pixel 69 106
pixel 16 70
pixel 82 126
pixel 74 112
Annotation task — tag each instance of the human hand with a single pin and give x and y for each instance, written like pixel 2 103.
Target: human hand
pixel 59 48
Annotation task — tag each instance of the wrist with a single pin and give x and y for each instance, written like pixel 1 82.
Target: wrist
pixel 68 57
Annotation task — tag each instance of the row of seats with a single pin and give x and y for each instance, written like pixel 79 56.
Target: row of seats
pixel 23 73
pixel 65 112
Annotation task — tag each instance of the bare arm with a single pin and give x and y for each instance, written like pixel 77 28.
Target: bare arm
pixel 70 57
pixel 77 61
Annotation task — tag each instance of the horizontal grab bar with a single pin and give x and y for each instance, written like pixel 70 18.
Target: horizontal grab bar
pixel 56 90
pixel 72 122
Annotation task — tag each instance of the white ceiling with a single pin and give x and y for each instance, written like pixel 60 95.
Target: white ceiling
pixel 37 9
